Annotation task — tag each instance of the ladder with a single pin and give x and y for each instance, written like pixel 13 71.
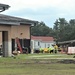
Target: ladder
pixel 19 45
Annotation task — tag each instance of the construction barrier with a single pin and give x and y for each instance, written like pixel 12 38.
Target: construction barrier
pixel 71 50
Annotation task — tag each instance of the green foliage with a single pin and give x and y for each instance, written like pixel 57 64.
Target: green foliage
pixel 62 30
pixel 41 30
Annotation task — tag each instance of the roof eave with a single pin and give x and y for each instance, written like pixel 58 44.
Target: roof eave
pixel 16 23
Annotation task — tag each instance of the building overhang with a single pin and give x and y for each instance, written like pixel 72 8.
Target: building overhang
pixel 10 20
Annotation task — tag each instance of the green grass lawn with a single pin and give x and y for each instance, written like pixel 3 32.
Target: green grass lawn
pixel 37 64
pixel 46 56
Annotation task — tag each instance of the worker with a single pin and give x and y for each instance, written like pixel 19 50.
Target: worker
pixel 55 48
pixel 41 50
pixel 51 49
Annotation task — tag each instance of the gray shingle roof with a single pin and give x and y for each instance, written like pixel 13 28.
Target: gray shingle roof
pixel 5 19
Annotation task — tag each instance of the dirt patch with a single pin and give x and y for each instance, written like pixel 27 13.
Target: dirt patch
pixel 67 61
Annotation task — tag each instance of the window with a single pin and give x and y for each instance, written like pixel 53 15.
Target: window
pixel 38 43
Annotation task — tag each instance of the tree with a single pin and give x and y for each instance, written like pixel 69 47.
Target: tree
pixel 41 30
pixel 59 29
pixel 62 30
pixel 56 30
pixel 72 29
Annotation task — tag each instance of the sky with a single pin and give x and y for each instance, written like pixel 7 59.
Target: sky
pixel 41 10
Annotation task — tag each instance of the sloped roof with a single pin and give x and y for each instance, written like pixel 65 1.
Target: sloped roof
pixel 5 19
pixel 65 42
pixel 10 20
pixel 42 38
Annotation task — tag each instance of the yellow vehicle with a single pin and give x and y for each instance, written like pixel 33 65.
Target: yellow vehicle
pixel 46 50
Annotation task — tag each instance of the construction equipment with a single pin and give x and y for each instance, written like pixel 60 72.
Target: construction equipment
pixel 19 45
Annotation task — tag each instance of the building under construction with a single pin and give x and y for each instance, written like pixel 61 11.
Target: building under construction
pixel 66 44
pixel 14 32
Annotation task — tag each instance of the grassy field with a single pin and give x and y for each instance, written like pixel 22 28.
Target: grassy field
pixel 38 64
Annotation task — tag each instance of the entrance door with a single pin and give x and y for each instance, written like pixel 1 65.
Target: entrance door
pixel 27 44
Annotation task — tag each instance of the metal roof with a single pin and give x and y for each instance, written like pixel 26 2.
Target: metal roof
pixel 64 42
pixel 10 20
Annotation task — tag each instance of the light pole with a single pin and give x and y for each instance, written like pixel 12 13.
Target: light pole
pixel 3 7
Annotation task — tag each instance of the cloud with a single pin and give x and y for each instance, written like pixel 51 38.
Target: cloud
pixel 33 4
pixel 17 5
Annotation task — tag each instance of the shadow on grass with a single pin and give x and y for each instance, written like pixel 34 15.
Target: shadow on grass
pixel 67 61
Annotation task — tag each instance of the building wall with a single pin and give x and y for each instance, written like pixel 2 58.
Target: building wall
pixel 22 31
pixel 0 38
pixel 5 28
pixel 7 40
pixel 46 44
pixel 37 44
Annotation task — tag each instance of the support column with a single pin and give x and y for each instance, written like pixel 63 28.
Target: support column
pixel 7 51
pixel 32 46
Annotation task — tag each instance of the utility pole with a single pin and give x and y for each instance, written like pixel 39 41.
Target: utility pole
pixel 3 7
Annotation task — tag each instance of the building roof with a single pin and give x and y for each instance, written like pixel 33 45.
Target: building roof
pixel 65 42
pixel 10 20
pixel 42 38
